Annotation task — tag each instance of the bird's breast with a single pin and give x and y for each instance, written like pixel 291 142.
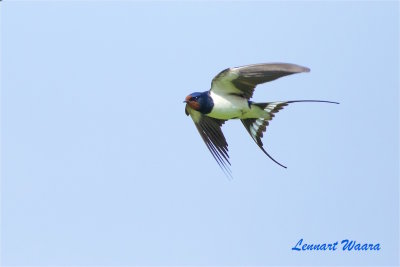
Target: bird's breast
pixel 228 106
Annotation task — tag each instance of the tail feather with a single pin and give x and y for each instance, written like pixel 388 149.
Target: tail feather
pixel 257 126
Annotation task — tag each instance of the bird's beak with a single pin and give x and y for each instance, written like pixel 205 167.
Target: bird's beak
pixel 187 99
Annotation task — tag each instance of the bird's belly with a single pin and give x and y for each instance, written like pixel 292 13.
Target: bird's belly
pixel 229 107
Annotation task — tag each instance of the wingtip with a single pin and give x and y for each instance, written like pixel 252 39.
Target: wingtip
pixel 300 68
pixel 297 68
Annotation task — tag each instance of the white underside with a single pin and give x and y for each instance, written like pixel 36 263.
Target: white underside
pixel 234 107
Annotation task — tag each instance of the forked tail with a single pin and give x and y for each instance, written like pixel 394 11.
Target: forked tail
pixel 256 127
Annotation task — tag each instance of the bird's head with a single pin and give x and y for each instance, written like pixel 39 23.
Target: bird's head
pixel 201 102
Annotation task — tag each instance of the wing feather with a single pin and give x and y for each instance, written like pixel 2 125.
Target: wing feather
pixel 212 135
pixel 243 80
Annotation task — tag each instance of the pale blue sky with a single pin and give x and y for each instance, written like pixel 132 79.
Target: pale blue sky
pixel 100 165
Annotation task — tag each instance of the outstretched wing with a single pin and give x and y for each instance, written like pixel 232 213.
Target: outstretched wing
pixel 211 133
pixel 242 80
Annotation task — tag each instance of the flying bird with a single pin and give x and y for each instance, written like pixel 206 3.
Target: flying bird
pixel 229 98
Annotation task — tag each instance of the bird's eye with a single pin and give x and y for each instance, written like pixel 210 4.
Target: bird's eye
pixel 193 98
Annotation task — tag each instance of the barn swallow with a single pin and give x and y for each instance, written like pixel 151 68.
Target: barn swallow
pixel 229 98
